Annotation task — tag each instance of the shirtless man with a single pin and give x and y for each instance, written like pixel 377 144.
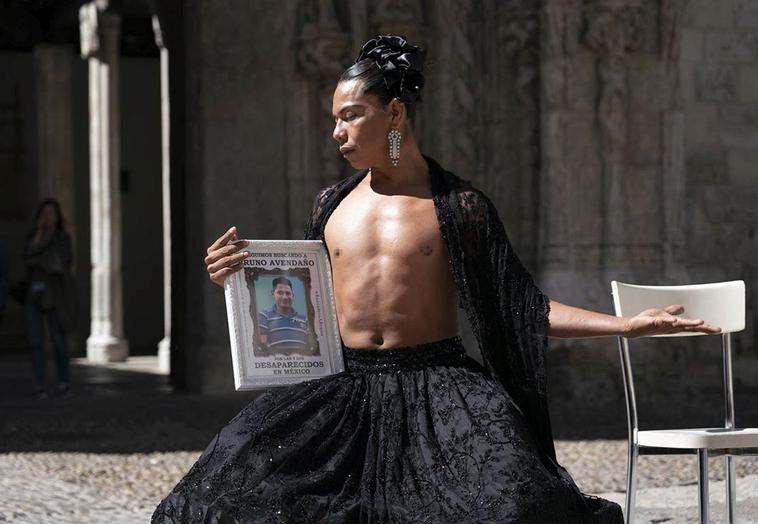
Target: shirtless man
pixel 392 282
pixel 399 421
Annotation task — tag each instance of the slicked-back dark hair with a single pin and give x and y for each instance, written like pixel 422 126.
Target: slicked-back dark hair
pixel 371 80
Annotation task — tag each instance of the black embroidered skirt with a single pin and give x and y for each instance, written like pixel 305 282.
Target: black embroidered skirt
pixel 417 434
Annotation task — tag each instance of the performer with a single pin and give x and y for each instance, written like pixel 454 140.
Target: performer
pixel 413 430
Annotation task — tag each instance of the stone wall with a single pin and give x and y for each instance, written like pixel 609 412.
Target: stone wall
pixel 240 61
pixel 649 124
pixel 611 175
pixel 259 81
pixel 18 188
pixel 719 82
pixel 615 138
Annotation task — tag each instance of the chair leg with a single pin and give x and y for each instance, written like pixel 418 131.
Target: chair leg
pixel 731 490
pixel 631 483
pixel 702 484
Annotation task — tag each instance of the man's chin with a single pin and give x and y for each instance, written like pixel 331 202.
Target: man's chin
pixel 356 163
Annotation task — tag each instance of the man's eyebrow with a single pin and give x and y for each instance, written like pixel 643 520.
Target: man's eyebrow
pixel 345 108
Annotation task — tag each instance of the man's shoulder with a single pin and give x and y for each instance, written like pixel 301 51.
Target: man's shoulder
pixel 326 192
pixel 268 312
pixel 471 200
pixel 466 192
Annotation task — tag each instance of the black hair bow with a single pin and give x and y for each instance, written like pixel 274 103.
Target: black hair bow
pixel 402 65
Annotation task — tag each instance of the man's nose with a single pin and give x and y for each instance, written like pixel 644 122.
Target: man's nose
pixel 339 133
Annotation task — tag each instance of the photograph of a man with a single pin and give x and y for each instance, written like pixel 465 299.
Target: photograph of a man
pixel 282 329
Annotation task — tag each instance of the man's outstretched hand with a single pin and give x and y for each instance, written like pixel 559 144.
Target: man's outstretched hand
pixel 665 321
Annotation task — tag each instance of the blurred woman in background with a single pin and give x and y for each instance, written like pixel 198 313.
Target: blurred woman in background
pixel 47 256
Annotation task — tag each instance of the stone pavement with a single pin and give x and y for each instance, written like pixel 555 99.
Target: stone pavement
pixel 111 451
pixel 679 503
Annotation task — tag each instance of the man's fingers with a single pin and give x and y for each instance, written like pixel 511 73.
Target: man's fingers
pixel 674 309
pixel 228 249
pixel 232 260
pixel 689 321
pixel 665 321
pixel 707 328
pixel 700 328
pixel 230 234
pixel 221 274
pixel 224 251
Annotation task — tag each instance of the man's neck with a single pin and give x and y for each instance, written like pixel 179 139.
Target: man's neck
pixel 286 312
pixel 410 176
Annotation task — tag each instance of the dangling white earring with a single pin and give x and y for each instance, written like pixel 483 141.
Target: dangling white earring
pixel 394 137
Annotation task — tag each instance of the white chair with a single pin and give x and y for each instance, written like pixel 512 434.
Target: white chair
pixel 721 304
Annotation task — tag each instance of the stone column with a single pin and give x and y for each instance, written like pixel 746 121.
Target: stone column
pixel 164 346
pixel 52 71
pixel 100 46
pixel 55 152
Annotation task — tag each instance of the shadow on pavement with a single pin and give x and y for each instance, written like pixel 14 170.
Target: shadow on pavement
pixel 110 411
pixel 132 409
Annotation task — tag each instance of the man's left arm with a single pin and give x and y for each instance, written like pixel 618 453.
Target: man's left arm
pixel 573 322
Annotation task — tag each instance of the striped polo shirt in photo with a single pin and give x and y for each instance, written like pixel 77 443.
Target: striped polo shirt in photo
pixel 284 331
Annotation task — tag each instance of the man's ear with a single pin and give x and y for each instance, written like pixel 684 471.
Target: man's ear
pixel 398 112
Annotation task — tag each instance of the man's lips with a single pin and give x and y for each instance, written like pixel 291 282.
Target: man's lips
pixel 346 150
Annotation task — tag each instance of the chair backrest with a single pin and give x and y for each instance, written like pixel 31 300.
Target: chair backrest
pixel 721 304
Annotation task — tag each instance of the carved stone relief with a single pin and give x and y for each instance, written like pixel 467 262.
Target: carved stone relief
pixel 612 31
pixel 672 137
pixel 518 42
pixel 322 55
pixel 402 17
pixel 455 132
pixel 568 152
pixel 610 132
pixel 325 48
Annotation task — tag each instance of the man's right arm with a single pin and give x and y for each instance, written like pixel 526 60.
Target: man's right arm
pixel 573 322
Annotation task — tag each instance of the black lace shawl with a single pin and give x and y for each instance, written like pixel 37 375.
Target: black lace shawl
pixel 507 312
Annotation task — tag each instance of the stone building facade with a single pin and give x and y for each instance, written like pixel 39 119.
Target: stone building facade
pixel 618 139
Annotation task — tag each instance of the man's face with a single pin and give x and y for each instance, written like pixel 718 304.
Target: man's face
pixel 282 296
pixel 361 125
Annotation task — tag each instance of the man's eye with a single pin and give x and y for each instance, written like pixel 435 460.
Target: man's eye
pixel 350 116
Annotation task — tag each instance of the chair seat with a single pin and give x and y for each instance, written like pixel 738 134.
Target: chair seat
pixel 699 438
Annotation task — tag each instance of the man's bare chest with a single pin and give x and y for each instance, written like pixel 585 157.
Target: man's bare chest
pixel 391 226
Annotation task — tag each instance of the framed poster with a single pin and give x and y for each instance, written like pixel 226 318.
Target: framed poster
pixel 282 319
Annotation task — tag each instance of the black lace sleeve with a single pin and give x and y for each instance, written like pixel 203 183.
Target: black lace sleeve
pixel 319 206
pixel 521 303
pixel 509 314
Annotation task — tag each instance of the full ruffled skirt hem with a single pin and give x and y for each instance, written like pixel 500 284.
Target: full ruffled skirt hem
pixel 420 436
